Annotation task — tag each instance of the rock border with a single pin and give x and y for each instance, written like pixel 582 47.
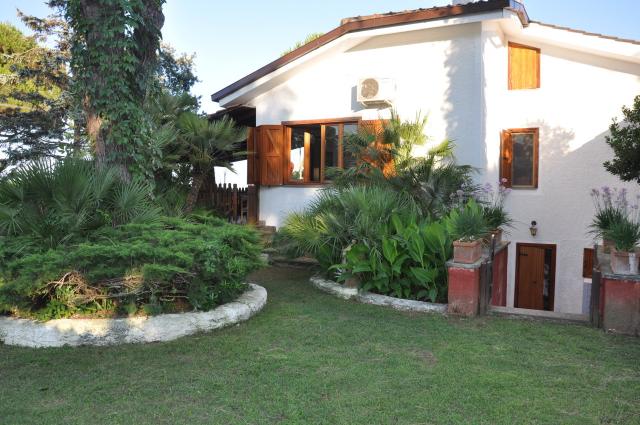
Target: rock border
pixel 102 332
pixel 341 291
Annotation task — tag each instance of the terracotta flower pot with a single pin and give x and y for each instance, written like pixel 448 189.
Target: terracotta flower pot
pixel 620 262
pixel 467 252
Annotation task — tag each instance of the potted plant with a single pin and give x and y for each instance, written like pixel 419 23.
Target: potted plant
pixel 625 234
pixel 611 206
pixel 468 227
pixel 495 215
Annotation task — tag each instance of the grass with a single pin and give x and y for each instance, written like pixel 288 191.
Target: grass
pixel 309 358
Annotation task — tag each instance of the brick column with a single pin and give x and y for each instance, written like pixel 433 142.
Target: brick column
pixel 620 302
pixel 464 288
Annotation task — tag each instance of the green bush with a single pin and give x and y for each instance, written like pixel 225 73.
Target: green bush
pixel 160 266
pixel 407 259
pixel 54 203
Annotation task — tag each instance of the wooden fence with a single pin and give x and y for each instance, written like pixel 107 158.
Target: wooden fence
pixel 232 202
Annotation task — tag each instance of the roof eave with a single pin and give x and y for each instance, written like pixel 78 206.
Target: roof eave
pixel 375 21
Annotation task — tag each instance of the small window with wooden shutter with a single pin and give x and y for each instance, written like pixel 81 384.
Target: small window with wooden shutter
pixel 313 147
pixel 524 67
pixel 519 158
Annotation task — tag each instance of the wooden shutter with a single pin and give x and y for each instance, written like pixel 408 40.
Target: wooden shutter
pixel 524 67
pixel 271 150
pixel 505 158
pixel 253 173
pixel 587 263
pixel 376 127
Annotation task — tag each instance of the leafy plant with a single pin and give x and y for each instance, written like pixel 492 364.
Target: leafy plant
pixel 387 158
pixel 210 144
pixel 406 260
pixel 468 223
pixel 149 267
pixel 339 216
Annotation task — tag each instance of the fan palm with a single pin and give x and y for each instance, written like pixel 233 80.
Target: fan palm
pixel 209 144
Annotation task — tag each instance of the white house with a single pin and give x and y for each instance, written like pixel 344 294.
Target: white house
pixel 524 100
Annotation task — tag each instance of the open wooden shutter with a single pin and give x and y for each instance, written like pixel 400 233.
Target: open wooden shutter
pixel 253 172
pixel 524 67
pixel 506 155
pixel 270 143
pixel 376 127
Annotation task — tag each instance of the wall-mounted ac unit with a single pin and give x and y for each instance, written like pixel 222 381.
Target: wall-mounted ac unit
pixel 376 91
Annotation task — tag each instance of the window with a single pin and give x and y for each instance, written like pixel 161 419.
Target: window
pixel 519 158
pixel 524 67
pixel 315 147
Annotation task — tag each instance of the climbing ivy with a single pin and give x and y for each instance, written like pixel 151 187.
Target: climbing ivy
pixel 114 50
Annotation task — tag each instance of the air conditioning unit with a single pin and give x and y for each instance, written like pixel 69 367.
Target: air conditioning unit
pixel 376 91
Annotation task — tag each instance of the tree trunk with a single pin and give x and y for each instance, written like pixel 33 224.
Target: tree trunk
pixel 192 198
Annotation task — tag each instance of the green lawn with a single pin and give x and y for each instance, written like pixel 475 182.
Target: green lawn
pixel 309 358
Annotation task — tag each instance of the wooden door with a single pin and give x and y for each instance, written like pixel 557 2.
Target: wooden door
pixel 530 276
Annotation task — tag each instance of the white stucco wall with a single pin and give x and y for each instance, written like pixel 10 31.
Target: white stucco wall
pixel 458 76
pixel 436 72
pixel 578 97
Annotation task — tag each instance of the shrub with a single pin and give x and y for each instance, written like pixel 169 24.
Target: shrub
pixel 53 203
pixel 339 216
pixel 406 259
pixel 160 266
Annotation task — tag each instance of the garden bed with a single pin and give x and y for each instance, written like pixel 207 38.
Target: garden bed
pixel 341 291
pixel 163 327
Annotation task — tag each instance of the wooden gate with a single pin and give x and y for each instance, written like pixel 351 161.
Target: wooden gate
pixel 231 202
pixel 486 280
pixel 595 313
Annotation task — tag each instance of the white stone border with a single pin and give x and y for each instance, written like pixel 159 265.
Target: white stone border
pixel 376 299
pixel 163 327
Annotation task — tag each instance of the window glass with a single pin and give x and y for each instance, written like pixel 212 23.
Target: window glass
pixel 332 137
pixel 296 157
pixel 308 149
pixel 523 159
pixel 315 152
pixel 349 160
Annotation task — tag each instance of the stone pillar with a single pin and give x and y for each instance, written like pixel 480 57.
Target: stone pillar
pixel 464 288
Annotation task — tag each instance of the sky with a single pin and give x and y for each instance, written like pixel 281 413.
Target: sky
pixel 233 38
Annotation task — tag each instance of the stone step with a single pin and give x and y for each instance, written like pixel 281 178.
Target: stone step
pixel 538 315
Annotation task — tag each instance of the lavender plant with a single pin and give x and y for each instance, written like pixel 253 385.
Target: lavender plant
pixel 612 206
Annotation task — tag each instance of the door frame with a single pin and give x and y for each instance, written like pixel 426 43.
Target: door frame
pixel 552 272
